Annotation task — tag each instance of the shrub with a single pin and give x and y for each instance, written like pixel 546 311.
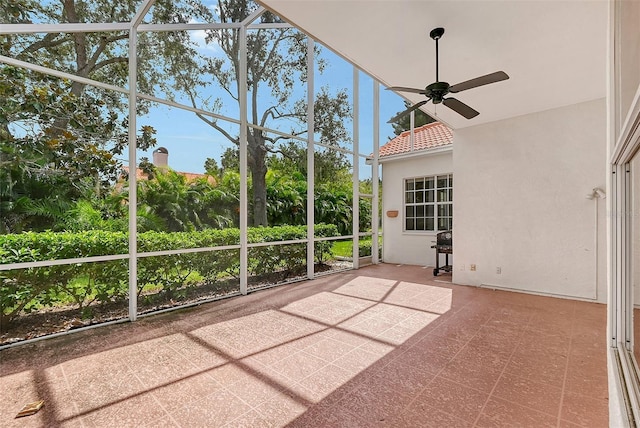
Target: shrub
pixel 80 284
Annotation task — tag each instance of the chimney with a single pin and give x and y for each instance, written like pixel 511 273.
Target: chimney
pixel 161 157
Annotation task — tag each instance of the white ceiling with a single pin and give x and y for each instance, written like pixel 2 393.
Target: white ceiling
pixel 554 51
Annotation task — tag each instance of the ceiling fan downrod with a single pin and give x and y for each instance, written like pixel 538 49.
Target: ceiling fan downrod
pixel 436 34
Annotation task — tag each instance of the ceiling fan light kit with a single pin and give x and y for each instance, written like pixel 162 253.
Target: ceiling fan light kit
pixel 436 91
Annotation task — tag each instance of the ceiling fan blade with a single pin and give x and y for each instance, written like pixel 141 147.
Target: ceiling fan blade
pixel 460 108
pixel 403 89
pixel 479 81
pixel 407 111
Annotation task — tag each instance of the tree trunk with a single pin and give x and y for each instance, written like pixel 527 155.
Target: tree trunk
pixel 259 195
pixel 258 167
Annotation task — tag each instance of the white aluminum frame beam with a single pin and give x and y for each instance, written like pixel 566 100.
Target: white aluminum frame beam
pixel 375 218
pixel 133 184
pixel 355 224
pixel 310 158
pixel 82 27
pixel 243 149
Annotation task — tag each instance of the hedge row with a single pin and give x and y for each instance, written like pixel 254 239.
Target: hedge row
pixel 23 290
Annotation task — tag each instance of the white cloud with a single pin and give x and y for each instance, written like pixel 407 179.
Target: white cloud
pixel 199 37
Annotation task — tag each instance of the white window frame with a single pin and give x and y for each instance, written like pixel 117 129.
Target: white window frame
pixel 435 203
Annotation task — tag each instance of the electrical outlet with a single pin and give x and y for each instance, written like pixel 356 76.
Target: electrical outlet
pixel 472 268
pixel 498 270
pixel 461 267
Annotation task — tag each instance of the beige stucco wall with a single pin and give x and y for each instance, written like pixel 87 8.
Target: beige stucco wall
pixel 400 246
pixel 520 192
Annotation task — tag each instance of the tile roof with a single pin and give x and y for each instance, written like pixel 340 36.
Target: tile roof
pixel 190 176
pixel 429 136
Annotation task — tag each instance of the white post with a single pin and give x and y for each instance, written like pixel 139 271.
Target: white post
pixel 244 212
pixel 133 164
pixel 310 159
pixel 133 182
pixel 356 169
pixel 374 173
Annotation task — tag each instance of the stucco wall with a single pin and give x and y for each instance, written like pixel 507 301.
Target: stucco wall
pixel 520 205
pixel 409 247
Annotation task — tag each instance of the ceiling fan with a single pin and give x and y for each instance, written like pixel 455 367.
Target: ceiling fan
pixel 437 91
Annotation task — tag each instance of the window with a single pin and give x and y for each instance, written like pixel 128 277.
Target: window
pixel 428 203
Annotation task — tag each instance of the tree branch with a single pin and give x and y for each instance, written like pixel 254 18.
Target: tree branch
pixel 109 61
pixel 47 41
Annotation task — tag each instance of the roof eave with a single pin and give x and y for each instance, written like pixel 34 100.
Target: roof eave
pixel 414 154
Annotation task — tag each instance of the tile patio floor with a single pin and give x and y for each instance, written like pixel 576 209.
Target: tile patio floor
pixel 382 346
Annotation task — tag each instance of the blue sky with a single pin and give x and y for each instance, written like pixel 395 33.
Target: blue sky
pixel 190 141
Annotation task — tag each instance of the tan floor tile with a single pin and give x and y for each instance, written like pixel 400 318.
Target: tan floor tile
pixel 255 390
pixel 357 360
pixel 216 409
pixel 275 354
pixel 540 365
pixel 130 412
pixel 585 411
pixel 428 355
pixel 587 382
pixel 251 419
pixel 409 380
pixel 328 380
pixel 539 396
pixel 328 349
pixel 93 391
pixel 432 352
pixel 476 368
pixel 341 418
pixel 178 393
pixel 281 409
pixel 299 365
pixel 374 402
pixel 455 399
pixel 420 414
pixel 498 413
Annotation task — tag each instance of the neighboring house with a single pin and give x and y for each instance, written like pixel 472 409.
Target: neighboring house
pixel 161 160
pixel 417 193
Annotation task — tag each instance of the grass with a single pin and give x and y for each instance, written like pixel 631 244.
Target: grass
pixel 343 248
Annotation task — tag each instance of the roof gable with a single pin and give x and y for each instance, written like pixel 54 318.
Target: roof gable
pixel 429 136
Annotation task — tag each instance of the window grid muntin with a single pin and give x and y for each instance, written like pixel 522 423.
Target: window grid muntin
pixel 428 203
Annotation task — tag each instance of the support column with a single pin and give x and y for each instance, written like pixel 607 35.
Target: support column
pixel 244 206
pixel 375 220
pixel 356 169
pixel 310 159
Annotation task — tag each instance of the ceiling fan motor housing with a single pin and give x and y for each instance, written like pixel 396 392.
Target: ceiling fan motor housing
pixel 436 33
pixel 436 91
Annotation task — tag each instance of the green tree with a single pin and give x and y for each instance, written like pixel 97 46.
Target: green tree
pixel 43 168
pixel 211 167
pixel 276 62
pixel 59 138
pixel 404 123
pixel 329 165
pixel 172 199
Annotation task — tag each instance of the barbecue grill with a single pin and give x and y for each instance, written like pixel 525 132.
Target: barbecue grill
pixel 444 245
